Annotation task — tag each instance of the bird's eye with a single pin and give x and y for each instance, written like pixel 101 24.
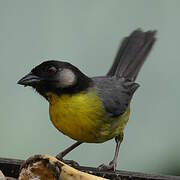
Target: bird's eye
pixel 51 70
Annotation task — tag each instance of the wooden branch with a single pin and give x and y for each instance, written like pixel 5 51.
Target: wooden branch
pixel 10 168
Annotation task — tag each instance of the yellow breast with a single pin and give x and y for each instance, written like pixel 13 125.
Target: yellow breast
pixel 81 116
pixel 77 116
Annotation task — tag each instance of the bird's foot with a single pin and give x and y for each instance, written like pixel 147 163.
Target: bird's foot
pixel 71 163
pixel 59 157
pixel 110 167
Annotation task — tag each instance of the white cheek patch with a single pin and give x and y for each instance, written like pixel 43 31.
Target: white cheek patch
pixel 66 78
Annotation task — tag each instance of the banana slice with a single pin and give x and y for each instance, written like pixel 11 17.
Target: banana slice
pixel 45 167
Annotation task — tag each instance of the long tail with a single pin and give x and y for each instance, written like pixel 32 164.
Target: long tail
pixel 132 54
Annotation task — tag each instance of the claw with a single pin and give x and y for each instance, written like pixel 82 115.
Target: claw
pixel 110 167
pixel 71 163
pixel 59 157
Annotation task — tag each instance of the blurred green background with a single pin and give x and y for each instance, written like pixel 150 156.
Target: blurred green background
pixel 87 34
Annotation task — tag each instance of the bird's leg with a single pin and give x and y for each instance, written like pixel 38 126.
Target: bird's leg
pixel 112 165
pixel 67 150
pixel 61 155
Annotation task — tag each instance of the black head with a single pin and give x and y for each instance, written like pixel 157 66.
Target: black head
pixel 56 76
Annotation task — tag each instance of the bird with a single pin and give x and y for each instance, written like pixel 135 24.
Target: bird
pixel 93 109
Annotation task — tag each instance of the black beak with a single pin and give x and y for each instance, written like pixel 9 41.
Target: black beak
pixel 29 80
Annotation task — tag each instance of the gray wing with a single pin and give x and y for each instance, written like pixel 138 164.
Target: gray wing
pixel 114 93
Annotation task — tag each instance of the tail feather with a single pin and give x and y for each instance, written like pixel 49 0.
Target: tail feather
pixel 132 54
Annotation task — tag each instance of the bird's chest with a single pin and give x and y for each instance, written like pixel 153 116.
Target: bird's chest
pixel 77 116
